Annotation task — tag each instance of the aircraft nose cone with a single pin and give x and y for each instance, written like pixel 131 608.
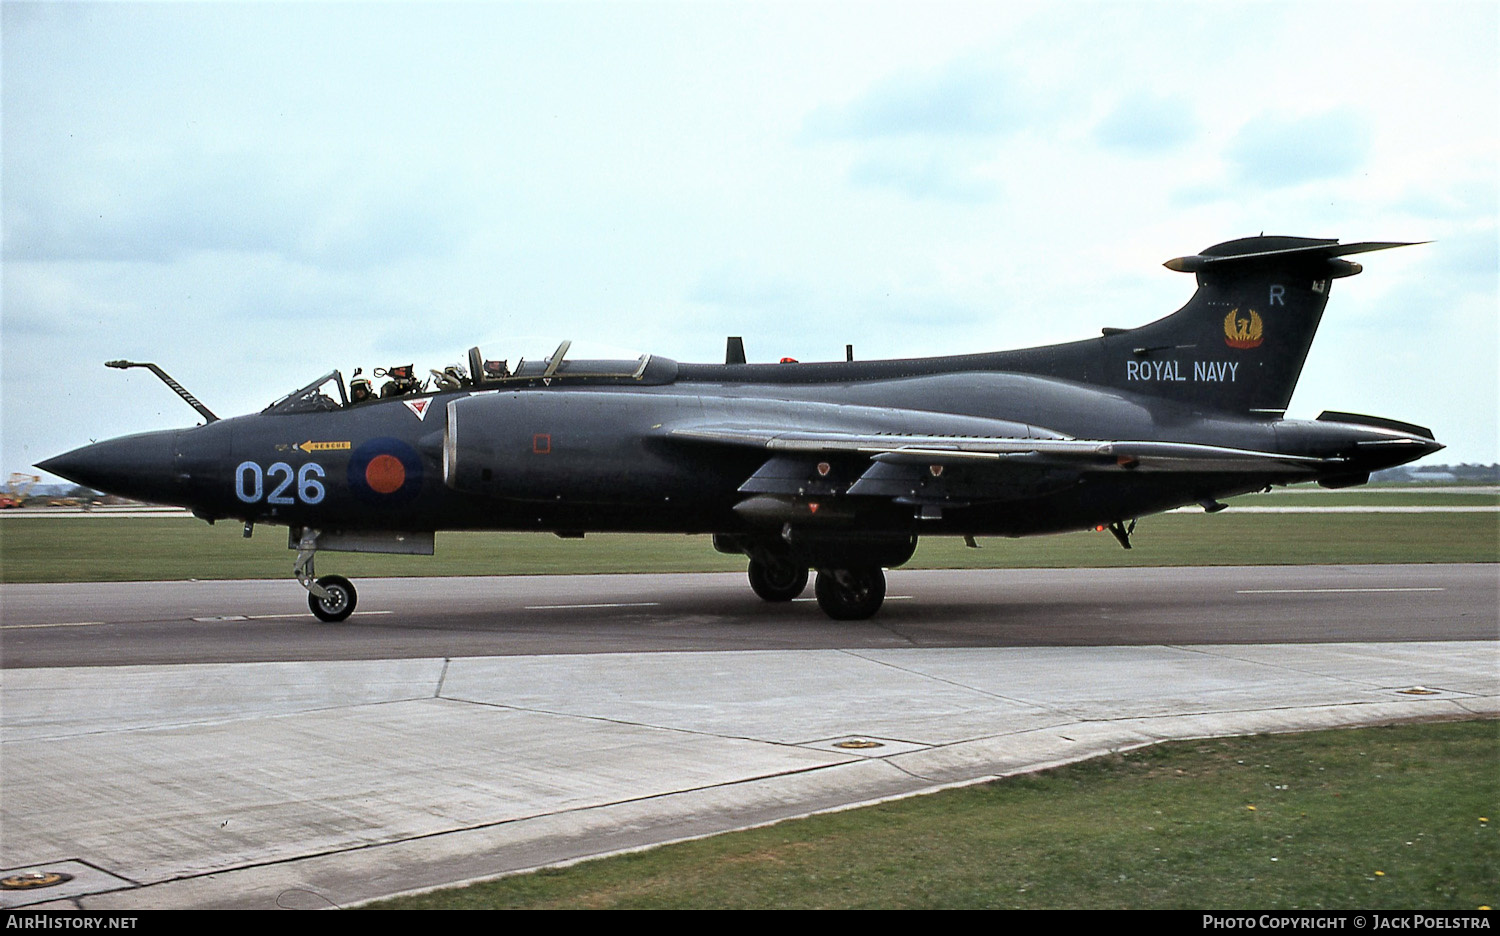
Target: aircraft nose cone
pixel 141 466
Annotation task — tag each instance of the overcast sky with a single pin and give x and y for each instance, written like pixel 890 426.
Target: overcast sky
pixel 250 195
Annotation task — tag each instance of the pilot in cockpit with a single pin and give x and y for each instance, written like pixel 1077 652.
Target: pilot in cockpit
pixel 401 381
pixel 360 390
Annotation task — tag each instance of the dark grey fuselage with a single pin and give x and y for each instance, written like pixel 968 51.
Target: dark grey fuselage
pixel 1187 409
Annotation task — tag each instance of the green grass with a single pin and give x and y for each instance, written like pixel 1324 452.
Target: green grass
pixel 1371 819
pixel 123 549
pixel 1402 497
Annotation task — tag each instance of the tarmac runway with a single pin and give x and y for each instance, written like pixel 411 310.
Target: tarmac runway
pixel 112 624
pixel 208 744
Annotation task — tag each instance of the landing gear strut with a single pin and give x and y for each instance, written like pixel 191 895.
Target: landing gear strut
pixel 1122 532
pixel 850 594
pixel 777 581
pixel 332 597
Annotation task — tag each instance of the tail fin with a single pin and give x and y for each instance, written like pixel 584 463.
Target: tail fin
pixel 1240 342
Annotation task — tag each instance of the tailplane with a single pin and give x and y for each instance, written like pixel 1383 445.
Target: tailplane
pixel 1240 342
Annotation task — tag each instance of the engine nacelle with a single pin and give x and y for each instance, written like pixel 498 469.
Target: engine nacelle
pixel 557 445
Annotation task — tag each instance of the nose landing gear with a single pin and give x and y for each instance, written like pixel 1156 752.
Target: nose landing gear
pixel 338 599
pixel 332 598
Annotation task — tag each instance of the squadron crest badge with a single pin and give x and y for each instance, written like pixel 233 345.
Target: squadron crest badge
pixel 1242 331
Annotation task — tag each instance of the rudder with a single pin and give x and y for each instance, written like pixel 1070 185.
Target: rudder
pixel 1239 343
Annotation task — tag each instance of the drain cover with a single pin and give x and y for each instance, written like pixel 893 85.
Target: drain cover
pixel 858 744
pixel 33 879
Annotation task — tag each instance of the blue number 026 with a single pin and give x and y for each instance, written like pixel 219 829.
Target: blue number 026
pixel 250 483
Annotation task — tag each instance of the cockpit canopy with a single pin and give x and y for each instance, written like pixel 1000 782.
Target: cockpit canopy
pixel 313 398
pixel 481 374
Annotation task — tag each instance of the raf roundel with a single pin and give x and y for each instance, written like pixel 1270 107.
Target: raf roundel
pixel 385 471
pixel 385 474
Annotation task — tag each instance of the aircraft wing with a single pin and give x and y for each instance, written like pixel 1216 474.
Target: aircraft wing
pixel 1078 454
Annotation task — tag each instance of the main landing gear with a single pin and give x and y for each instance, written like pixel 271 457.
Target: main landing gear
pixel 777 581
pixel 844 594
pixel 332 598
pixel 850 594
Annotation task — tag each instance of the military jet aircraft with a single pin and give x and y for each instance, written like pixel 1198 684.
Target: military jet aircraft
pixel 838 467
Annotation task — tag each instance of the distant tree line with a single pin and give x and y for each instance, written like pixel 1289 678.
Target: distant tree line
pixel 1465 473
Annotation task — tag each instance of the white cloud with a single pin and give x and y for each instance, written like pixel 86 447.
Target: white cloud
pixel 1148 123
pixel 251 194
pixel 1276 150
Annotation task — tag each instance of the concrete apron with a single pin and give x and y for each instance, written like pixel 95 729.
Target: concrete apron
pixel 323 784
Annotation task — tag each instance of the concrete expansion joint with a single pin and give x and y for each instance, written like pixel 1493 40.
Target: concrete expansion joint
pixel 228 871
pixel 1472 707
pixel 1227 652
pixel 192 723
pixel 1085 752
pixel 910 773
pixel 1219 652
pixel 904 638
pixel 628 762
pixel 597 807
pixel 1248 710
pixel 623 722
pixel 1445 709
pixel 937 679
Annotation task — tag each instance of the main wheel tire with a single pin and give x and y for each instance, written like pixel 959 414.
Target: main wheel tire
pixel 851 594
pixel 340 601
pixel 777 582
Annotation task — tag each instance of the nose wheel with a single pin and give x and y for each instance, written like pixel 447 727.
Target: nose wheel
pixel 332 597
pixel 337 601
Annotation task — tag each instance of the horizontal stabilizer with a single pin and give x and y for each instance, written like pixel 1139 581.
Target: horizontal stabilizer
pixel 1286 257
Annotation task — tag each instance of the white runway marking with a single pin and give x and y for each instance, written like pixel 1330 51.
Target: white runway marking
pixel 74 624
pixel 222 618
pixel 618 604
pixel 887 598
pixel 299 614
pixel 1315 591
pixel 1369 509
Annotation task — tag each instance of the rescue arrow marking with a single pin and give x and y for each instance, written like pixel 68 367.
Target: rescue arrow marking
pixel 310 446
